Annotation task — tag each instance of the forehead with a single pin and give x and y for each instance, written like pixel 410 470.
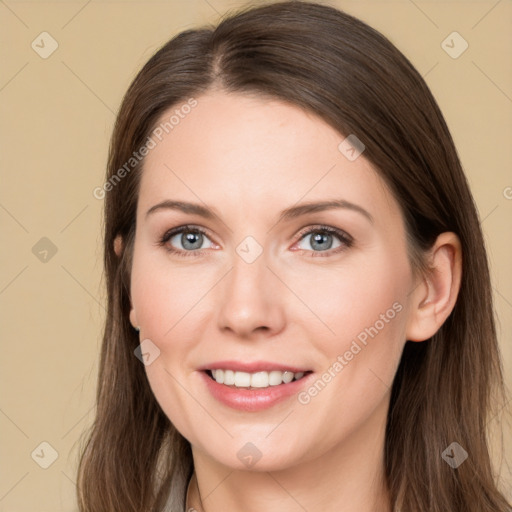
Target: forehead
pixel 252 152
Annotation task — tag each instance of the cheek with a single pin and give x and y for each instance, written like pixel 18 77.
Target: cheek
pixel 342 302
pixel 163 294
pixel 360 359
pixel 167 302
pixel 363 311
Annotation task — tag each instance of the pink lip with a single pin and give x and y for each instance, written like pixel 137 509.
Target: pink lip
pixel 256 366
pixel 252 400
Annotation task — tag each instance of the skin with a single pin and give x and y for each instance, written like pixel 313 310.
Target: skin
pixel 248 159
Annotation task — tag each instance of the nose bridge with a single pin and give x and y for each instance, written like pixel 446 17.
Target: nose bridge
pixel 249 300
pixel 249 272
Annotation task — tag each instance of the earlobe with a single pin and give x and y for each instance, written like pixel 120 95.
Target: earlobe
pixel 133 319
pixel 434 299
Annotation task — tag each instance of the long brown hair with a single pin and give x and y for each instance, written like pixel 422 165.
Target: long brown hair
pixel 335 66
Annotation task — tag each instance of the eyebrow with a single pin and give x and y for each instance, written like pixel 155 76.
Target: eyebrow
pixel 286 215
pixel 313 207
pixel 183 206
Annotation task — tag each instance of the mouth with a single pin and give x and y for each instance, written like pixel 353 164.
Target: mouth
pixel 254 386
pixel 256 380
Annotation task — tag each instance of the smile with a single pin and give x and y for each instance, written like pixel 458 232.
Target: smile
pixel 256 390
pixel 258 380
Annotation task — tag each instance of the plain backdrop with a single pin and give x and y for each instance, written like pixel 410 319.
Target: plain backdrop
pixel 57 114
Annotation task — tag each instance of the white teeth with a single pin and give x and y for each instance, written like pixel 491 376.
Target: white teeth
pixel 242 379
pixel 218 375
pixel 229 377
pixel 275 378
pixel 287 377
pixel 254 380
pixel 259 380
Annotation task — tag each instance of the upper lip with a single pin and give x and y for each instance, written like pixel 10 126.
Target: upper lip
pixel 251 367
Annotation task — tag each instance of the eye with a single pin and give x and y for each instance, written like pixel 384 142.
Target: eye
pixel 185 241
pixel 189 240
pixel 323 238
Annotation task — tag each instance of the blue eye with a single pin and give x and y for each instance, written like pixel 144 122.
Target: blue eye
pixel 321 239
pixel 192 238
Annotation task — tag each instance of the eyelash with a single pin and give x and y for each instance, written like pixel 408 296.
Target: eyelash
pixel 346 240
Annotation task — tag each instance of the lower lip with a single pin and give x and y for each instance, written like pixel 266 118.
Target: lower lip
pixel 253 400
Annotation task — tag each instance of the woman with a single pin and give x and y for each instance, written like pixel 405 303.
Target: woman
pixel 299 302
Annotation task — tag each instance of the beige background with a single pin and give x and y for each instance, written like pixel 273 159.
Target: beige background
pixel 56 118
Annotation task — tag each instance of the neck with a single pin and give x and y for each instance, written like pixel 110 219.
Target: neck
pixel 348 478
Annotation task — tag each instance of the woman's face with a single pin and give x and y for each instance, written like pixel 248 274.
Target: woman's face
pixel 271 286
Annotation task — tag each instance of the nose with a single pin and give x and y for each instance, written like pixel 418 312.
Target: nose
pixel 251 301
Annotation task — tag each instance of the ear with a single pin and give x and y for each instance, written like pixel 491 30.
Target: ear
pixel 118 245
pixel 118 249
pixel 435 296
pixel 133 319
